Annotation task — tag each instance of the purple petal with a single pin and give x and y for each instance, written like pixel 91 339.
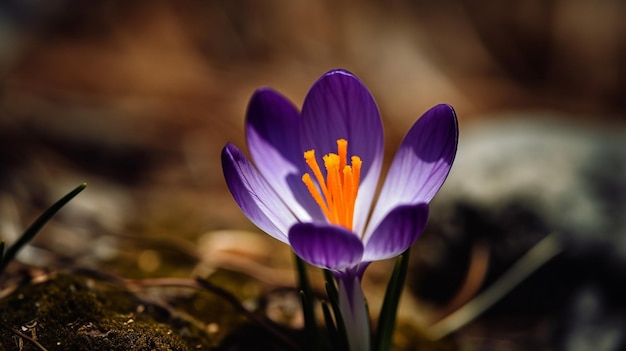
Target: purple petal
pixel 326 246
pixel 271 120
pixel 421 164
pixel 396 232
pixel 254 195
pixel 340 106
pixel 274 144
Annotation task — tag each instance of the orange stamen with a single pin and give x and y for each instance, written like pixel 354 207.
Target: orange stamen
pixel 348 190
pixel 340 188
pixel 342 151
pixel 331 161
pixel 356 173
pixel 306 179
pixel 309 157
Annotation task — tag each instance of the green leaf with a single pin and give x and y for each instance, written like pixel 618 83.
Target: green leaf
pixel 308 309
pixel 331 288
pixel 36 226
pixel 388 312
pixel 330 325
pixel 333 298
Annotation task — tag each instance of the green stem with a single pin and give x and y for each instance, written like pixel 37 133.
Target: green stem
pixel 333 298
pixel 308 308
pixel 388 312
pixel 354 313
pixel 333 334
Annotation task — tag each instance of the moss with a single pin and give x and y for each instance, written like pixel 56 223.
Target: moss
pixel 66 313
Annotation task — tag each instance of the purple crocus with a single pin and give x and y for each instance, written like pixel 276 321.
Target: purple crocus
pixel 326 213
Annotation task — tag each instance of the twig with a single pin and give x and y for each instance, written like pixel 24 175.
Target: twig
pixel 22 335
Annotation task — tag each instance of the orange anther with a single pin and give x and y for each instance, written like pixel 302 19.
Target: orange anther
pixel 339 188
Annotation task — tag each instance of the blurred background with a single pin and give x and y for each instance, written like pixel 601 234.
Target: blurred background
pixel 137 99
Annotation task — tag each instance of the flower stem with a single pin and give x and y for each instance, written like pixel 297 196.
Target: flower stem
pixel 354 313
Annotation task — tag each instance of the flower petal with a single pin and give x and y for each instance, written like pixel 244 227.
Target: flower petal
pixel 326 246
pixel 275 148
pixel 340 106
pixel 421 164
pixel 397 231
pixel 254 195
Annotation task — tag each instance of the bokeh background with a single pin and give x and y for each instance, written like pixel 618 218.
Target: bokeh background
pixel 137 99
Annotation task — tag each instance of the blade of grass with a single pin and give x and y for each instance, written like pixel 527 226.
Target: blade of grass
pixel 333 334
pixel 36 226
pixel 333 298
pixel 331 287
pixel 388 312
pixel 538 255
pixel 308 308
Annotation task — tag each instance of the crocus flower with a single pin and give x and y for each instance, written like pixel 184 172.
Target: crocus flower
pixel 314 176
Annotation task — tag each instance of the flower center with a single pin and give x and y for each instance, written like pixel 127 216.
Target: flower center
pixel 340 188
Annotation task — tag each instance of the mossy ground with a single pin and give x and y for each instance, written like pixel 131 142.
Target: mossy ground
pixel 74 312
pixel 79 312
pixel 68 313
